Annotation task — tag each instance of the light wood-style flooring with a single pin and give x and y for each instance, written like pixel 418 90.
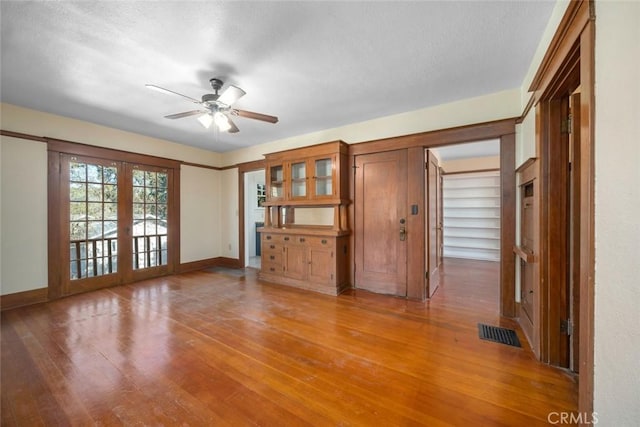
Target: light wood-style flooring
pixel 214 349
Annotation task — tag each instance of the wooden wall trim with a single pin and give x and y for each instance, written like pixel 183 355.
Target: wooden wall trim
pixel 208 263
pixel 587 220
pixel 251 166
pixel 437 138
pixel 20 299
pixel 199 165
pixel 507 225
pixel 577 15
pixel 471 171
pixel 80 149
pixel 36 296
pixel 22 135
pixel 57 145
pixel 527 108
pixel 416 245
pixel 55 225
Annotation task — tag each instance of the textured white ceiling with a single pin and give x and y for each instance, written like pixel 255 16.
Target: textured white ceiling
pixel 315 65
pixel 469 150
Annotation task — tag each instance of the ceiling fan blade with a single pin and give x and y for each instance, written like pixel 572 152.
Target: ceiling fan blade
pixel 185 114
pixel 231 95
pixel 233 128
pixel 170 92
pixel 255 116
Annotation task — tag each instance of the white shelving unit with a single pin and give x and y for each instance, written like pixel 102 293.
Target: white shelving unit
pixel 472 215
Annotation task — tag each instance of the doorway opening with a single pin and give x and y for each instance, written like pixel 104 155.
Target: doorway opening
pixel 469 203
pixel 254 196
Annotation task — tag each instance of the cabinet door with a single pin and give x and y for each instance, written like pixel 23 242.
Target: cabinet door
pixel 295 261
pixel 275 182
pixel 321 265
pixel 298 180
pixel 324 176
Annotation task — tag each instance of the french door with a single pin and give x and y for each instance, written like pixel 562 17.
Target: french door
pixel 116 222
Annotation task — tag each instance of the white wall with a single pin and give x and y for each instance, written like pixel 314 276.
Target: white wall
pixel 229 213
pixel 495 106
pixel 24 120
pixel 23 221
pixel 471 164
pixel 617 204
pixel 200 204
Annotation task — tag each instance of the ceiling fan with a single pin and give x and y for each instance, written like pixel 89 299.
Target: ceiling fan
pixel 216 108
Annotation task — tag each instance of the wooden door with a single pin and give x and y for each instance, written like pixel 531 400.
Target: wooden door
pixel 381 222
pixel 432 210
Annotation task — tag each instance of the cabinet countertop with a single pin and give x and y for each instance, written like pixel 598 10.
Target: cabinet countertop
pixel 305 231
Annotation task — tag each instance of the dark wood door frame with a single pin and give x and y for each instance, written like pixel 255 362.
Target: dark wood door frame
pixel 569 61
pixel 242 169
pixel 57 224
pixel 416 144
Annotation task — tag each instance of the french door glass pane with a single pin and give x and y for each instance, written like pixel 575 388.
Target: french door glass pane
pixel 93 220
pixel 150 201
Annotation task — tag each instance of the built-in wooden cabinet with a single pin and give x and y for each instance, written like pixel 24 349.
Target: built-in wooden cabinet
pixel 311 255
pixel 313 262
pixel 527 252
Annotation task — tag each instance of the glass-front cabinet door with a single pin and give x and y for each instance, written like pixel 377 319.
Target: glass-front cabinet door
pixel 275 179
pixel 298 180
pixel 324 177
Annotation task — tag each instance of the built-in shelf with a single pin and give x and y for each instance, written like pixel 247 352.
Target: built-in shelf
pixel 476 225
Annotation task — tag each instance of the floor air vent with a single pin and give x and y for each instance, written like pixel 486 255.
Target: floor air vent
pixel 496 334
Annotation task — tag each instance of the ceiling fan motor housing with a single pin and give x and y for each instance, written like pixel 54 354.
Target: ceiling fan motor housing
pixel 210 98
pixel 216 84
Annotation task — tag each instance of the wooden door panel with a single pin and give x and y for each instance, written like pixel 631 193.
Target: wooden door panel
pixel 381 194
pixel 321 265
pixel 295 263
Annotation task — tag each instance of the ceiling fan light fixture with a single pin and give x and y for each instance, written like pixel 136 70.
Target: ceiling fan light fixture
pixel 221 121
pixel 206 120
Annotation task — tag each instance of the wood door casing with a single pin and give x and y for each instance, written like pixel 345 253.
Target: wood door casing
pixel 380 206
pixel 432 210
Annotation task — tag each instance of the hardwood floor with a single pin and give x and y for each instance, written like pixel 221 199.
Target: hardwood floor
pixel 207 348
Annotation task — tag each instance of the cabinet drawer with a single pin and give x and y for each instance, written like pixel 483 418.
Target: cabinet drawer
pixel 271 268
pixel 271 238
pixel 269 247
pixel 272 257
pixel 321 242
pixel 289 238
